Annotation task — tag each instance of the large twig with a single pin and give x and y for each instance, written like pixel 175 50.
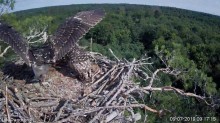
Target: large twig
pixel 125 78
pixel 60 111
pixel 6 104
pixel 153 77
pixel 99 80
pixel 114 55
pixel 5 51
pixel 179 91
pixel 39 36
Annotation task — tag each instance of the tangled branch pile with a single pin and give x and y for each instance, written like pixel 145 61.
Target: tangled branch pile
pixel 111 96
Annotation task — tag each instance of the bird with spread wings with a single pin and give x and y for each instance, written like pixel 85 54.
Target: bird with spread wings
pixel 62 44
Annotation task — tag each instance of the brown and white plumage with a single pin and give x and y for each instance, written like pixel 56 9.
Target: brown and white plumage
pixel 15 40
pixel 73 29
pixel 63 43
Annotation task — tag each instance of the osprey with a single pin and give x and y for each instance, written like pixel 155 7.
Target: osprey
pixel 62 44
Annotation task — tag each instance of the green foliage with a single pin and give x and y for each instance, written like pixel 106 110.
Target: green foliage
pixel 192 76
pixel 35 22
pixel 186 40
pixel 5 5
pixel 176 106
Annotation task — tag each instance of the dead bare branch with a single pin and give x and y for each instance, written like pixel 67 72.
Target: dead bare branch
pixel 6 104
pixel 4 51
pixel 114 55
pixel 179 91
pixel 37 36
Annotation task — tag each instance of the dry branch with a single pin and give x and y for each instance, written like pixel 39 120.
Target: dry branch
pixel 4 51
pixel 37 36
pixel 6 104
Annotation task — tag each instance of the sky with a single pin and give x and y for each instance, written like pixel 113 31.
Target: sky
pixel 207 6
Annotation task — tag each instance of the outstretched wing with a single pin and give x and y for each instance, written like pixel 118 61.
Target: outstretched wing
pixel 77 55
pixel 73 30
pixel 15 40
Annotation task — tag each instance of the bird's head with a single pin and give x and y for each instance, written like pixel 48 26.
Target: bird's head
pixel 40 58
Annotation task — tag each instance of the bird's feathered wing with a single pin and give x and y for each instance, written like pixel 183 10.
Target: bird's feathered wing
pixel 64 41
pixel 77 55
pixel 72 30
pixel 15 40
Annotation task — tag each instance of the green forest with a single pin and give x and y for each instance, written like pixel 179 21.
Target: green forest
pixel 185 40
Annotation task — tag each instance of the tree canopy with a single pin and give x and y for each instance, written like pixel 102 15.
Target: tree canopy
pixel 184 40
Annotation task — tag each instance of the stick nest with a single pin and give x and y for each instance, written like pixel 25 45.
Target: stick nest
pixel 110 96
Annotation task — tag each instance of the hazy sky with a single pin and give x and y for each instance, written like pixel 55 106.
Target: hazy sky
pixel 207 6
